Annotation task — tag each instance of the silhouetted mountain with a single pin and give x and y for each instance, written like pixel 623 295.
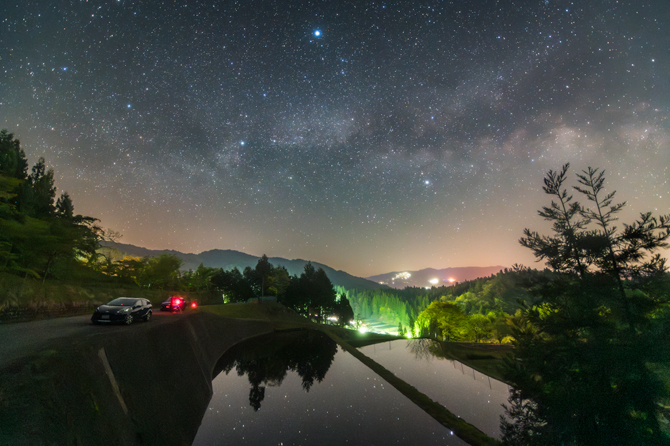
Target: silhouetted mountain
pixel 228 259
pixel 426 277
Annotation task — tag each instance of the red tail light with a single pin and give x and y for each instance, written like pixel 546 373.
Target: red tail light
pixel 193 305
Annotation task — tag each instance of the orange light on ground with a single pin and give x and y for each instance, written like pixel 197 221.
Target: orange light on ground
pixel 452 280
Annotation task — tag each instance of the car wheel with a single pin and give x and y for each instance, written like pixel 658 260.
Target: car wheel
pixel 128 319
pixel 147 317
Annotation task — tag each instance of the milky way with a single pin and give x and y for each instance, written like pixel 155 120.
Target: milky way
pixel 370 136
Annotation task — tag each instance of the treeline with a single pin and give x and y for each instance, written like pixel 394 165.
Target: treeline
pixel 311 294
pixel 40 234
pixel 477 310
pixel 390 306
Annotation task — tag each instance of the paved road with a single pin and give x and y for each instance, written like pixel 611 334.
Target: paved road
pixel 23 338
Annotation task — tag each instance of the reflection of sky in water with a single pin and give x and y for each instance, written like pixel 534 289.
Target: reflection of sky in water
pixel 466 393
pixel 351 406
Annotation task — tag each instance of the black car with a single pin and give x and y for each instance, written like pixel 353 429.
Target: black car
pixel 123 310
pixel 175 303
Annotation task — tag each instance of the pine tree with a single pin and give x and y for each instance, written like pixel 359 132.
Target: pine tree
pixel 583 352
pixel 64 207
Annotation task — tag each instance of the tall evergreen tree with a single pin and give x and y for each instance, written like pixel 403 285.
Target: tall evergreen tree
pixel 37 194
pixel 13 161
pixel 64 207
pixel 233 285
pixel 584 352
pixel 312 292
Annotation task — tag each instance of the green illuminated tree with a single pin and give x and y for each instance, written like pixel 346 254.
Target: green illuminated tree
pixel 443 321
pixel 343 311
pixel 278 281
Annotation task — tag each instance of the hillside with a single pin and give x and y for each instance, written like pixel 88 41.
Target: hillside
pixel 422 278
pixel 228 259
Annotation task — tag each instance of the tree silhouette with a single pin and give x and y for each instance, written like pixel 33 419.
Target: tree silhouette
pixel 584 356
pixel 233 284
pixel 267 360
pixel 37 237
pixel 311 293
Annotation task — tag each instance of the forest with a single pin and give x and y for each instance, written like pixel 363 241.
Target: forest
pixel 41 236
pixel 477 310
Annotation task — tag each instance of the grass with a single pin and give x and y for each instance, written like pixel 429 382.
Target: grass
pixel 265 311
pixel 24 299
pixel 286 319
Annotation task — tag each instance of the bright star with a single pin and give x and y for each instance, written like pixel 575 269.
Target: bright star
pixel 317 33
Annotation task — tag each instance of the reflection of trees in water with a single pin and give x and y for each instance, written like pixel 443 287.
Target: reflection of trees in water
pixel 425 349
pixel 429 348
pixel 267 360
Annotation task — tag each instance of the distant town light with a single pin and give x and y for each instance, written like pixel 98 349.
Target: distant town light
pixel 434 281
pixel 402 276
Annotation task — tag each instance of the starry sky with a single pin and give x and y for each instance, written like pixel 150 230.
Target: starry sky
pixel 370 136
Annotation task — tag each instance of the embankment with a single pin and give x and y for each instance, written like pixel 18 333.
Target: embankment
pixel 149 384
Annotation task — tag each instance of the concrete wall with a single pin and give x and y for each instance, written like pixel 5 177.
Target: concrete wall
pixel 148 385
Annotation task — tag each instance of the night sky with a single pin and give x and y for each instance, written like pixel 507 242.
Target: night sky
pixel 369 136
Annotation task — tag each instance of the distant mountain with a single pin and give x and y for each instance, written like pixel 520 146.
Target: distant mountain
pixel 229 259
pixel 434 277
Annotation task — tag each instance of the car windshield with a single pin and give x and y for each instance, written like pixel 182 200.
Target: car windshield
pixel 122 302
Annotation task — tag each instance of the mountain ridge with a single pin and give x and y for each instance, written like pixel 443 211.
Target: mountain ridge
pixel 229 258
pixel 434 277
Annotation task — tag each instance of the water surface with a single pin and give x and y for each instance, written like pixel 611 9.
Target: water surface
pixel 301 389
pixel 465 392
